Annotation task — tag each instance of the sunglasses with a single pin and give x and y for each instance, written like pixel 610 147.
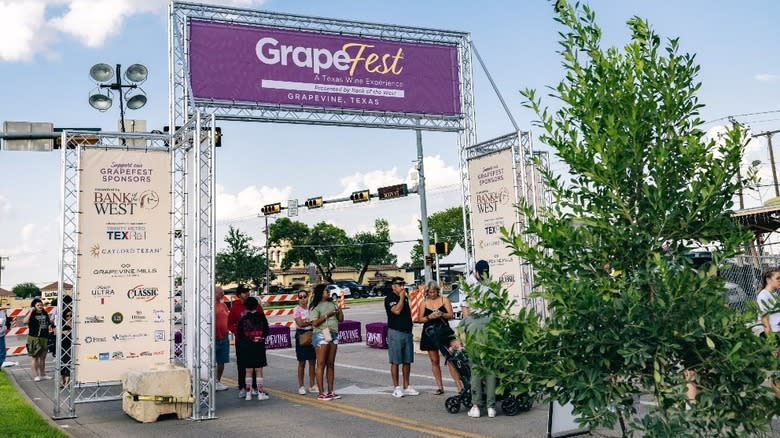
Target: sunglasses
pixel 302 297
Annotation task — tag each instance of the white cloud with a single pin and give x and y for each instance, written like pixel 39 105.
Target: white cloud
pixel 33 255
pixel 25 31
pixel 248 202
pixel 766 77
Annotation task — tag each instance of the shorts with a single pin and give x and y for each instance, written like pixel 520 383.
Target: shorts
pixel 400 346
pixel 319 339
pixel 304 353
pixel 222 350
pixel 37 346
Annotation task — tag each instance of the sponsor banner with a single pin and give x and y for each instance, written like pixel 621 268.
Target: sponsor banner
pixel 492 189
pixel 124 222
pixel 271 66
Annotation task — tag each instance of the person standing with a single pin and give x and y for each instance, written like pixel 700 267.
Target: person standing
pixel 38 323
pixel 252 330
pixel 221 338
pixel 237 310
pixel 768 302
pixel 325 317
pixel 434 313
pixel 66 341
pixel 400 345
pixel 304 353
pixel 5 325
pixel 475 324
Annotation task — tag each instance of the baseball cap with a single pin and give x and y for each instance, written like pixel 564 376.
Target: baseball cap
pixel 482 267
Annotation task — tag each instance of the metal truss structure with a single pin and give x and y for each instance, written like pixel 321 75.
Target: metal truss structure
pixel 73 143
pixel 193 166
pixel 528 186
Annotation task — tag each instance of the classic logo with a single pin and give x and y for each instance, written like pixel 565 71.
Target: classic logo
pixel 117 318
pixel 94 319
pixel 141 293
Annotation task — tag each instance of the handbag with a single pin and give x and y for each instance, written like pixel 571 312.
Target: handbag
pixel 304 338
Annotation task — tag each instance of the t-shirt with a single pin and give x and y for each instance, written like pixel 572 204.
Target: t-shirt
pixel 403 321
pixel 3 319
pixel 767 301
pixel 253 327
pixel 39 325
pixel 322 309
pixel 221 313
pixel 303 313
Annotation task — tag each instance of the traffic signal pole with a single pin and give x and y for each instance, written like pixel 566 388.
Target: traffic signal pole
pixel 423 205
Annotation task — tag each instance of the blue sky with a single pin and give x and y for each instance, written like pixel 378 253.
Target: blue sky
pixel 48 46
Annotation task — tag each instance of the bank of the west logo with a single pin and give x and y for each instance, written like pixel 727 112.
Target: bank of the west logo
pixel 113 202
pixel 148 199
pixel 142 293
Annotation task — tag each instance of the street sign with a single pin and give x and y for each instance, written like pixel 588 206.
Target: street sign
pixel 292 208
pixel 28 136
pixel 395 191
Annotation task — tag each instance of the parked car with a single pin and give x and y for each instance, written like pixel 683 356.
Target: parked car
pixel 380 290
pixel 357 290
pixel 334 291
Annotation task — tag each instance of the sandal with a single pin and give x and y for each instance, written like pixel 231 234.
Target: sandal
pixel 439 392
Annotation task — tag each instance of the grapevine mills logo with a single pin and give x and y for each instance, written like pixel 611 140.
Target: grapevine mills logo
pixel 117 318
pixel 142 293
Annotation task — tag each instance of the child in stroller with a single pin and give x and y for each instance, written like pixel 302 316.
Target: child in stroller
pixel 452 349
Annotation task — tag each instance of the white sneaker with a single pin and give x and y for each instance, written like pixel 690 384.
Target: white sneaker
pixel 262 396
pixel 397 393
pixel 37 378
pixel 474 412
pixel 314 389
pixel 219 386
pixel 254 391
pixel 491 413
pixel 411 391
pixel 248 395
pixel 46 377
pixel 241 393
pixel 302 390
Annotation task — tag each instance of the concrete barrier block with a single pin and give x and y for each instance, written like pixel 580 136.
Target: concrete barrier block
pixel 163 380
pixel 148 411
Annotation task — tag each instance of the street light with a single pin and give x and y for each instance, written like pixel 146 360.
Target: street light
pixel 101 98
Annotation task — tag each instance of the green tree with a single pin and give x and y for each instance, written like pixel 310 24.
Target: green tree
pixel 370 248
pixel 241 262
pixel 447 224
pixel 627 313
pixel 324 245
pixel 26 290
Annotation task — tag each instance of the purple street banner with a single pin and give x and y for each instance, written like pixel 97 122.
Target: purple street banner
pixel 269 66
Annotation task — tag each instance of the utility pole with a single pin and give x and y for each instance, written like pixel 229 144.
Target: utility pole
pixel 2 258
pixel 423 206
pixel 768 135
pixel 267 257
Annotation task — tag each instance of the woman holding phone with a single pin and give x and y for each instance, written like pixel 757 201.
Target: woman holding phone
pixel 325 317
pixel 38 322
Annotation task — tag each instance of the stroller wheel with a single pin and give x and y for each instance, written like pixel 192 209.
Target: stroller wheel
pixel 465 398
pixel 510 406
pixel 452 404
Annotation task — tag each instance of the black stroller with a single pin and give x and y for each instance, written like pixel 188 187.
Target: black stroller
pixel 510 404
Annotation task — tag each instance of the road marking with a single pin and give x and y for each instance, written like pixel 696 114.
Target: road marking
pixel 368 414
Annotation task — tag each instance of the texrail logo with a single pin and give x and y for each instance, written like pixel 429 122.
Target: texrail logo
pixel 141 293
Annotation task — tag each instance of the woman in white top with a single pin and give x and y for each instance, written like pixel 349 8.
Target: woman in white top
pixel 304 353
pixel 767 300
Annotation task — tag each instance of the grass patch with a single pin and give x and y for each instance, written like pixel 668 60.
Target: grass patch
pixel 18 418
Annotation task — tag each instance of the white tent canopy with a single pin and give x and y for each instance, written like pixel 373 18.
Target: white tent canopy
pixel 456 257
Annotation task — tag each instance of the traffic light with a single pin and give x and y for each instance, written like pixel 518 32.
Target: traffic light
pixel 360 196
pixel 442 248
pixel 429 260
pixel 272 208
pixel 314 202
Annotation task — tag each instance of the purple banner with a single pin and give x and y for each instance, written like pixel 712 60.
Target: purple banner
pixel 269 66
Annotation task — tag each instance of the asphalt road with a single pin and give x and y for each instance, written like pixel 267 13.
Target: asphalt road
pixel 366 410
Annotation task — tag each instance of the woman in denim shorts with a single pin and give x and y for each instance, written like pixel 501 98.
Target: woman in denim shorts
pixel 325 317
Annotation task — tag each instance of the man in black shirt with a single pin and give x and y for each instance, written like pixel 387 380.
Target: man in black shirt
pixel 399 336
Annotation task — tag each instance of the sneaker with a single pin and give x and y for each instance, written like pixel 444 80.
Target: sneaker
pixel 262 396
pixel 491 413
pixel 248 395
pixel 333 396
pixel 302 390
pixel 219 386
pixel 397 393
pixel 37 378
pixel 411 391
pixel 46 377
pixel 474 412
pixel 323 396
pixel 254 391
pixel 314 389
pixel 241 393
